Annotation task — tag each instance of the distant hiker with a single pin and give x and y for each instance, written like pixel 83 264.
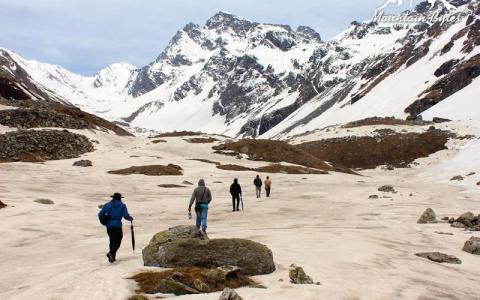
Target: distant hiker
pixel 202 197
pixel 268 186
pixel 111 216
pixel 258 185
pixel 236 192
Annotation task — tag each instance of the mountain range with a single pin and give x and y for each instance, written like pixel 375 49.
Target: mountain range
pixel 241 78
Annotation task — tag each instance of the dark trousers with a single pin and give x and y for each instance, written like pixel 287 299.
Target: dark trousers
pixel 237 198
pixel 115 234
pixel 267 190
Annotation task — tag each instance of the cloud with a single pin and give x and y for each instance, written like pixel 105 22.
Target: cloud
pixel 86 35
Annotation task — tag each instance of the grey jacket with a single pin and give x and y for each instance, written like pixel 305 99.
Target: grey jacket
pixel 201 194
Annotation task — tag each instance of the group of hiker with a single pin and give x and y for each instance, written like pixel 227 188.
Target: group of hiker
pixel 112 212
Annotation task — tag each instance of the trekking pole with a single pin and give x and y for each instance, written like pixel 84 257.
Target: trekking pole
pixel 241 200
pixel 133 236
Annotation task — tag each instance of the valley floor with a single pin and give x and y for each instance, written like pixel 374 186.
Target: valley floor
pixel 358 248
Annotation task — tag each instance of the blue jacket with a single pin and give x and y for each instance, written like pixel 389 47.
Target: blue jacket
pixel 117 210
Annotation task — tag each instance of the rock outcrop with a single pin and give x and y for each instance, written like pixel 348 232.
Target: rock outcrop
pixel 41 145
pixel 387 189
pixel 44 201
pixel 152 170
pixel 174 248
pixel 439 257
pixel 472 246
pixel 428 217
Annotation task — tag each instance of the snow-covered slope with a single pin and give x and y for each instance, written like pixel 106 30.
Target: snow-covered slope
pixel 237 77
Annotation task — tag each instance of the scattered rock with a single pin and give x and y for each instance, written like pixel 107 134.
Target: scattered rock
pixel 137 297
pixel 445 218
pixel 170 186
pixel 83 163
pixel 206 161
pixel 187 182
pixel 174 248
pixel 472 246
pixel 440 120
pixel 457 178
pixel 201 140
pixel 229 294
pixel 468 219
pixel 387 189
pixel 471 174
pixel 44 201
pixel 152 170
pixel 451 220
pixel 41 145
pixel 2 205
pixel 443 233
pixel 427 217
pixel 373 197
pixel 298 276
pixel 439 257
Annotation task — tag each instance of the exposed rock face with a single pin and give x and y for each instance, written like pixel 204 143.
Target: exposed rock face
pixel 229 294
pixel 153 170
pixel 83 163
pixel 427 217
pixel 174 248
pixel 36 146
pixel 298 276
pixel 440 257
pixel 397 150
pixel 472 246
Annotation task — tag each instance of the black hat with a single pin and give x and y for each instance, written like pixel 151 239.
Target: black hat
pixel 117 196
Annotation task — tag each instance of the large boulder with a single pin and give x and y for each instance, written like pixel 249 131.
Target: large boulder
pixel 472 245
pixel 468 219
pixel 427 217
pixel 184 246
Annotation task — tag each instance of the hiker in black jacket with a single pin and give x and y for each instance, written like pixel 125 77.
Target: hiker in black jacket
pixel 258 185
pixel 236 192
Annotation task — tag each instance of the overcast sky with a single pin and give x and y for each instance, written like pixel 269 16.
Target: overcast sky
pixel 87 35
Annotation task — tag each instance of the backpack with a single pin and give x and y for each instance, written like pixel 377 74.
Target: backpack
pixel 105 218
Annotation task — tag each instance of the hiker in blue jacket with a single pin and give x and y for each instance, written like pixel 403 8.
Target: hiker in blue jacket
pixel 111 216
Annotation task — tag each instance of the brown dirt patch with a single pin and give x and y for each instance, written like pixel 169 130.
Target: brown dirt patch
pixel 151 170
pixel 171 186
pixel 158 141
pixel 201 140
pixel 148 281
pixel 177 134
pixel 384 121
pixel 367 152
pixel 276 151
pixel 207 161
pixel 231 167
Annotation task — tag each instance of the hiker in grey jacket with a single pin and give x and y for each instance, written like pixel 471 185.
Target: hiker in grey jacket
pixel 202 197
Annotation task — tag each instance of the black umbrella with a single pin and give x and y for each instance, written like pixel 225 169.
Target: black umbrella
pixel 133 236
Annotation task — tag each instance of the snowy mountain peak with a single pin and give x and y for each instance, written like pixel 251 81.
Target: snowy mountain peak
pixel 116 76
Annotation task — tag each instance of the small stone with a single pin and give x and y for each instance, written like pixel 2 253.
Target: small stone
pixel 298 276
pixel 318 283
pixel 427 217
pixel 472 246
pixel 387 189
pixel 83 163
pixel 451 220
pixel 457 178
pixel 2 205
pixel 373 197
pixel 280 280
pixel 440 257
pixel 44 201
pixel 445 218
pixel 187 182
pixel 471 174
pixel 444 233
pixel 229 294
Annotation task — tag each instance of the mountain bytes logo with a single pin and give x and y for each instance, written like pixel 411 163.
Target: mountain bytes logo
pixel 453 13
